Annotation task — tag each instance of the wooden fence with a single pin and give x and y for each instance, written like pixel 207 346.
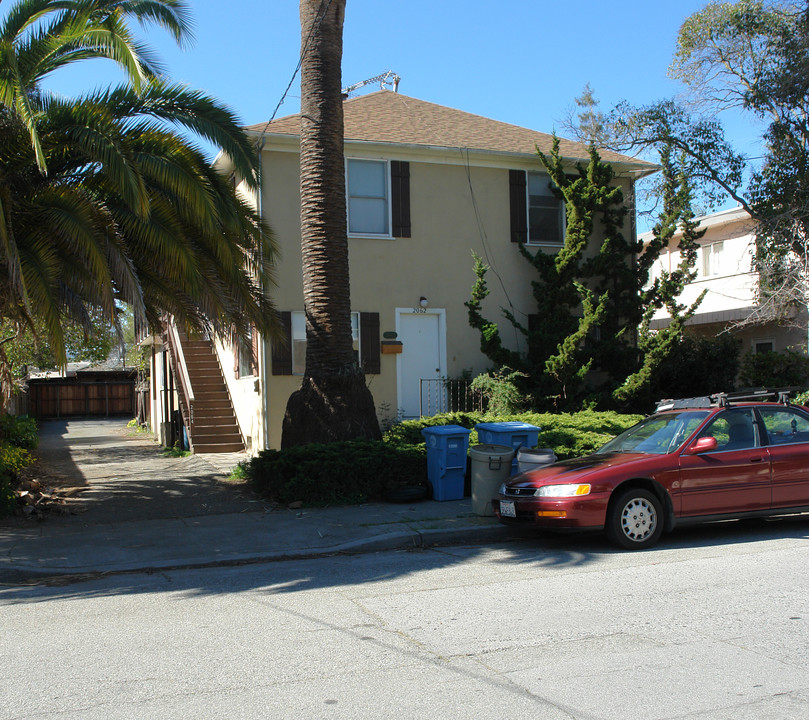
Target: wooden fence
pixel 81 397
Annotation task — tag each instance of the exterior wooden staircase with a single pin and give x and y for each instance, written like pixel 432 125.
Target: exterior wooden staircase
pixel 208 414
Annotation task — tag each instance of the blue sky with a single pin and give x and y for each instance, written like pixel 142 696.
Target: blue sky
pixel 518 61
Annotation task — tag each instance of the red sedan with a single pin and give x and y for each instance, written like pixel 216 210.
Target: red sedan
pixel 702 459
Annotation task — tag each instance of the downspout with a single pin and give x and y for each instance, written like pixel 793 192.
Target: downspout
pixel 262 364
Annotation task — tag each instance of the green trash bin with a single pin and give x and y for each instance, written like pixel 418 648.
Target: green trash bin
pixel 491 466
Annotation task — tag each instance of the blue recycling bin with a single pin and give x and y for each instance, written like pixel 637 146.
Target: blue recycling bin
pixel 513 434
pixel 446 460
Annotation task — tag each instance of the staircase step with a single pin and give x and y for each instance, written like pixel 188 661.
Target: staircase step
pixel 215 425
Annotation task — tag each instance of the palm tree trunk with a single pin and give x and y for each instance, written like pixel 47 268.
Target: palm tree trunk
pixel 334 402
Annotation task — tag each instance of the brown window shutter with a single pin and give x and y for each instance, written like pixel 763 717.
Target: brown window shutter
pixel 282 347
pixel 369 343
pixel 254 351
pixel 400 198
pixel 518 207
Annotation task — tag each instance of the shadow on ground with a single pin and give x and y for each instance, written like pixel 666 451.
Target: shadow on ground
pixel 124 476
pixel 128 480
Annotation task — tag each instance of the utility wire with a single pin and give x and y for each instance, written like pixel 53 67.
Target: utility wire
pixel 484 238
pixel 320 15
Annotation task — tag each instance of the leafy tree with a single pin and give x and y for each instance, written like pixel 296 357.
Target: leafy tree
pixel 103 201
pixel 26 348
pixel 334 402
pixel 586 123
pixel 591 298
pixel 750 56
pixel 656 347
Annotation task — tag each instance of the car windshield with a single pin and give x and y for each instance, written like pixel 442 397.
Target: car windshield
pixel 657 434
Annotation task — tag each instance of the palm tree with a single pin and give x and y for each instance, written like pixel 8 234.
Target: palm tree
pixel 38 37
pixel 102 201
pixel 334 403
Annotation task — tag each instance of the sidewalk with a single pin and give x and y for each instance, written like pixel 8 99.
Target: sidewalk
pixel 147 512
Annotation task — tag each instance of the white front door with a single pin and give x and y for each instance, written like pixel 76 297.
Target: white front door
pixel 423 358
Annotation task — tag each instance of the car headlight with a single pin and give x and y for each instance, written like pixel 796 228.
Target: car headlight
pixel 502 489
pixel 562 490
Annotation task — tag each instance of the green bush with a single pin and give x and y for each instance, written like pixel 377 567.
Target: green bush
pixel 13 460
pixel 500 390
pixel 362 470
pixel 18 435
pixel 19 431
pixel 774 369
pixel 697 366
pixel 337 473
pixel 569 434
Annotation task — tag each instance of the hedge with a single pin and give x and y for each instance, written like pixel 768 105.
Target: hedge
pixel 362 470
pixel 18 436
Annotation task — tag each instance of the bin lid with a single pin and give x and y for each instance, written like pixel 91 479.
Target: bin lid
pixel 487 450
pixel 506 426
pixel 445 430
pixel 535 452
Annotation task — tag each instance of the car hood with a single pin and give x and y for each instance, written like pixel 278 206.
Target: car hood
pixel 579 469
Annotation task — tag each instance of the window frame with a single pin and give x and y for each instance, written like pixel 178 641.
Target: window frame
pixel 388 234
pixel 763 341
pixel 556 244
pixel 763 414
pixel 712 256
pixel 299 358
pixel 723 416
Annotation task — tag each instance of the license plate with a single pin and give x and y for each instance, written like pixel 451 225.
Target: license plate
pixel 507 508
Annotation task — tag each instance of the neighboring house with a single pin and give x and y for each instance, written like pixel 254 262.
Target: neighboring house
pixel 427 185
pixel 725 269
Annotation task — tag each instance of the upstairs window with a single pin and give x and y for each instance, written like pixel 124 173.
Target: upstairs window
pixel 546 212
pixel 712 259
pixel 368 198
pixel 378 198
pixel 537 215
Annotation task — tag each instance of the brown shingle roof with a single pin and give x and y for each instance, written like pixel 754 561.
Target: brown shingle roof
pixel 388 117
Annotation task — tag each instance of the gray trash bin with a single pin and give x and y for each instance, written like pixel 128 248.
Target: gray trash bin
pixel 491 466
pixel 534 459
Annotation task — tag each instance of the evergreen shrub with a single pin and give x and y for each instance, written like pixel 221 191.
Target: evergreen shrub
pixel 774 369
pixel 18 436
pixel 341 473
pixel 359 471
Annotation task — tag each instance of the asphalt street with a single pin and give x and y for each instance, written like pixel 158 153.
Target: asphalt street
pixel 711 625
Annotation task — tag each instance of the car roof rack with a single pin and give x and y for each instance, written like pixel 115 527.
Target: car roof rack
pixel 726 399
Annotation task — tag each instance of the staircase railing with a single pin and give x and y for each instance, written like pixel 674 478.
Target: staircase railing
pixel 180 370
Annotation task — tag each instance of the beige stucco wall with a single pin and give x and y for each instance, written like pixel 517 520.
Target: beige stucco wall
pixel 456 208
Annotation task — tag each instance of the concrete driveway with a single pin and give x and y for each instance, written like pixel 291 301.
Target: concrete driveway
pixel 123 475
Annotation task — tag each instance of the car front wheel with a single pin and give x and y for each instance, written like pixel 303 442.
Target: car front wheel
pixel 635 519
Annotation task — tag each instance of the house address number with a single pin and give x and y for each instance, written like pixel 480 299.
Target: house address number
pixel 419 311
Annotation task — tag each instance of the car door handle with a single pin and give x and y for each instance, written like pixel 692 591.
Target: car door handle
pixel 757 458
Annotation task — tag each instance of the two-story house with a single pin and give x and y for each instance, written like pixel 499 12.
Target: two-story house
pixel 725 270
pixel 427 186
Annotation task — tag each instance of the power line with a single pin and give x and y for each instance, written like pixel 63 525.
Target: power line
pixel 320 15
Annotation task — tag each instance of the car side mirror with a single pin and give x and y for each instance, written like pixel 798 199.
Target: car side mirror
pixel 703 444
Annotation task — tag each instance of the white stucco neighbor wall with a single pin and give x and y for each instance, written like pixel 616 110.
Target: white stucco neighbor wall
pixel 725 272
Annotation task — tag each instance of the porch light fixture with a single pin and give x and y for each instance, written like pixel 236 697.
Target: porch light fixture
pixel 423 301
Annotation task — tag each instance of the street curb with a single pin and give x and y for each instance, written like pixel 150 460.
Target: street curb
pixel 404 540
